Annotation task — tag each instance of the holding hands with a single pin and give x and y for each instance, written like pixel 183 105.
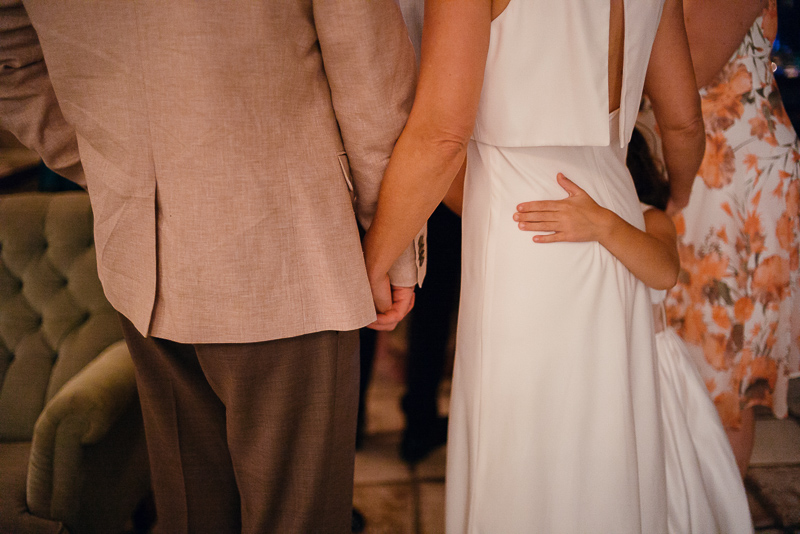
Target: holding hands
pixel 392 303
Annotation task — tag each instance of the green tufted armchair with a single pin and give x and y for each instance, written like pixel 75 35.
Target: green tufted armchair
pixel 72 451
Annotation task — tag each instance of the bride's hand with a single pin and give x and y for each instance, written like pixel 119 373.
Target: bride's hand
pixel 575 218
pixel 392 303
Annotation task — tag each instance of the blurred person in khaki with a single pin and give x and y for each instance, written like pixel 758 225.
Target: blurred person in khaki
pixel 230 153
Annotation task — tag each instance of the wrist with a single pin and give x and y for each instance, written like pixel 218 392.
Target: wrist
pixel 608 223
pixel 375 270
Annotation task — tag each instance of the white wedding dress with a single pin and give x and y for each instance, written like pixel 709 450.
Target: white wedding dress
pixel 555 422
pixel 705 493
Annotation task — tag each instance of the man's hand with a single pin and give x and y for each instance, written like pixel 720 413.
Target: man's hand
pixel 391 302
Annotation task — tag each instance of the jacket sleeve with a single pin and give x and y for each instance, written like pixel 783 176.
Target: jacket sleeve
pixel 28 105
pixel 371 70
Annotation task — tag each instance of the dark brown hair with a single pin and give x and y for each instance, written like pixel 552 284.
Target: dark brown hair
pixel 651 185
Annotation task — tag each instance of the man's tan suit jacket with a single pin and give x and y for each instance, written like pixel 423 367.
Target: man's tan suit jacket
pixel 225 146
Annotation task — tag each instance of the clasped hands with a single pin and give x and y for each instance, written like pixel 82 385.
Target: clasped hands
pixel 392 303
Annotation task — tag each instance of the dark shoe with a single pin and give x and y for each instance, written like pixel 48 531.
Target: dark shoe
pixel 419 441
pixel 357 523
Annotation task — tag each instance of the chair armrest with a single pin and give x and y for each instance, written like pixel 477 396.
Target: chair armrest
pixel 81 413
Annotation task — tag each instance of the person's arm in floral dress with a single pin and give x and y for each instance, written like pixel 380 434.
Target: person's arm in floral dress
pixel 715 29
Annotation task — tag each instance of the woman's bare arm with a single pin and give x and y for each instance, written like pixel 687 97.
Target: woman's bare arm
pixel 671 86
pixel 432 147
pixel 716 29
pixel 454 199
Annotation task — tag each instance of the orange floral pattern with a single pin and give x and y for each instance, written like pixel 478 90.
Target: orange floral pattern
pixel 719 163
pixel 737 301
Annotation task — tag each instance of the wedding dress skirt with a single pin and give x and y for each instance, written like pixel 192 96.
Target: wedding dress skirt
pixel 706 493
pixel 555 419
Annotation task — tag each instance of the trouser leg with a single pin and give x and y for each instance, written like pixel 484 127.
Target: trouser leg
pixel 192 476
pixel 368 339
pixel 291 420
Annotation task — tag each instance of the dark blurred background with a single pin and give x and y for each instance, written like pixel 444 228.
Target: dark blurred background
pixel 786 55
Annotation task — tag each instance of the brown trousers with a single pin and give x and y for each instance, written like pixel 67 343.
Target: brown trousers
pixel 253 438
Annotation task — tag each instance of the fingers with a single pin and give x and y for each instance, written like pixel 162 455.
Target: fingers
pixel 538 216
pixel 381 294
pixel 541 226
pixel 540 206
pixel 568 185
pixel 402 299
pixel 385 322
pixel 383 301
pixel 557 237
pixel 552 205
pixel 402 302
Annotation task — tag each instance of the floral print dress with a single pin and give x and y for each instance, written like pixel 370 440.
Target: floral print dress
pixel 736 304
